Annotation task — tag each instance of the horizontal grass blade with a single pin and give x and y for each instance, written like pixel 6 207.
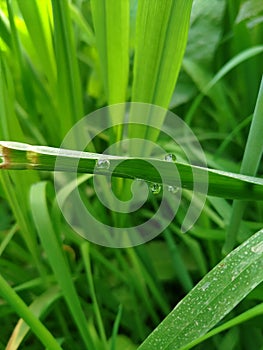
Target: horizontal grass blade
pixel 215 296
pixel 21 156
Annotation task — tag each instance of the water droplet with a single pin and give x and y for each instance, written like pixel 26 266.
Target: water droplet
pixel 258 248
pixel 103 163
pixel 170 157
pixel 155 188
pixel 173 189
pixel 205 286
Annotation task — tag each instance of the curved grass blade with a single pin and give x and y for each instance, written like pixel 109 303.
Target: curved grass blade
pixel 24 312
pixel 20 156
pixel 56 258
pixel 234 62
pixel 250 163
pixel 83 25
pixel 38 307
pixel 215 296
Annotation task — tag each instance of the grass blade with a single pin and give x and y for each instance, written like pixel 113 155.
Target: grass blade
pixel 68 85
pixel 249 166
pixel 222 184
pixel 15 186
pixel 162 29
pixel 244 317
pixel 56 258
pixel 23 311
pixel 234 62
pixel 40 31
pixel 38 307
pixel 86 258
pixel 217 294
pixel 111 22
pixel 83 25
pixel 161 35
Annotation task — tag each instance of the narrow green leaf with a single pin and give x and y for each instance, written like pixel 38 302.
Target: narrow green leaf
pixel 248 9
pixel 111 22
pixel 217 294
pixel 115 329
pixel 39 28
pixel 86 258
pixel 86 31
pixel 68 85
pixel 233 63
pixel 38 307
pixel 16 187
pixel 221 183
pixel 23 311
pixel 161 35
pixel 56 258
pixel 244 317
pixel 4 30
pixel 250 163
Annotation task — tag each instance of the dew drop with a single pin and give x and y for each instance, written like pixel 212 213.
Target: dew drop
pixel 140 181
pixel 155 188
pixel 170 157
pixel 173 189
pixel 258 248
pixel 103 163
pixel 205 286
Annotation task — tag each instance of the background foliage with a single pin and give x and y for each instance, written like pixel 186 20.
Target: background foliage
pixel 60 60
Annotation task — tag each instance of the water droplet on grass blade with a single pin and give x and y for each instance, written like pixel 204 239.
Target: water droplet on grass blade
pixel 258 248
pixel 103 163
pixel 170 157
pixel 205 286
pixel 155 188
pixel 173 189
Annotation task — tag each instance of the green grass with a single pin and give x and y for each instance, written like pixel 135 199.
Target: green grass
pixel 201 289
